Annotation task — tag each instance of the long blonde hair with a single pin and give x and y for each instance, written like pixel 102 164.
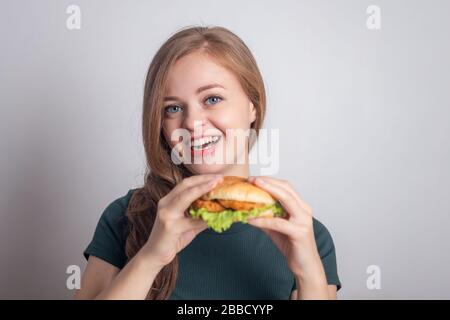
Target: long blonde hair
pixel 161 173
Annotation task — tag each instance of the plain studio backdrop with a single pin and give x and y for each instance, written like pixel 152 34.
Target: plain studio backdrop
pixel 363 116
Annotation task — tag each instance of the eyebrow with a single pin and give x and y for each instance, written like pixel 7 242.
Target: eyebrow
pixel 203 88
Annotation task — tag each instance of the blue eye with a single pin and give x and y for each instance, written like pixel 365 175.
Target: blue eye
pixel 172 109
pixel 213 100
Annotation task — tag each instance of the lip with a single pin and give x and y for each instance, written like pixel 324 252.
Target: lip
pixel 199 137
pixel 208 151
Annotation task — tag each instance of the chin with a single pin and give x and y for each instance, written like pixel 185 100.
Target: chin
pixel 207 168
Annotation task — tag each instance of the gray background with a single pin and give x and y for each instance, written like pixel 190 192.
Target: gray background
pixel 363 118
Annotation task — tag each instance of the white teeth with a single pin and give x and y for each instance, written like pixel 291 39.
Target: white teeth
pixel 198 144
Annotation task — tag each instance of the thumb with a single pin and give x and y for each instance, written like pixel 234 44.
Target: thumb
pixel 189 235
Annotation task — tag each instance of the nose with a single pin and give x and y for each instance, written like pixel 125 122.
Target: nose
pixel 194 117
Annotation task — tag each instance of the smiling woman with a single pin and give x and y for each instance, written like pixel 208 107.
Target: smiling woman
pixel 205 81
pixel 206 98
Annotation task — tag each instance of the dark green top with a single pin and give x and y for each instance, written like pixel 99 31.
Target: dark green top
pixel 239 263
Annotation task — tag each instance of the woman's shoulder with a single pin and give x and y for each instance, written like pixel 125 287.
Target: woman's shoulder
pixel 323 237
pixel 113 221
pixel 108 242
pixel 117 208
pixel 327 252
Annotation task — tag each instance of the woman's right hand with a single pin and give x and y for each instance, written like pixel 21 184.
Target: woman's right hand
pixel 173 229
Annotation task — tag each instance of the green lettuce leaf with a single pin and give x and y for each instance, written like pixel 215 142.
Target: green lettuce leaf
pixel 221 221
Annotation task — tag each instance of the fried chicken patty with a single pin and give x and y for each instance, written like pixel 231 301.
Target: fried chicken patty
pixel 210 205
pixel 220 205
pixel 240 205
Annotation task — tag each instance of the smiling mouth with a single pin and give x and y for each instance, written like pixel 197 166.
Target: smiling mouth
pixel 204 143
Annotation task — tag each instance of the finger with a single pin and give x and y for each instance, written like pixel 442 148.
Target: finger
pixel 287 186
pixel 276 236
pixel 182 200
pixel 276 224
pixel 278 182
pixel 188 236
pixel 188 224
pixel 283 196
pixel 194 180
pixel 186 184
pixel 203 227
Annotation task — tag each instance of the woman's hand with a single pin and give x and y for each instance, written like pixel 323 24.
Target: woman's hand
pixel 174 229
pixel 293 235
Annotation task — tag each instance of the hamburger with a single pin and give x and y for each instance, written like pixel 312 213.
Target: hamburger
pixel 234 200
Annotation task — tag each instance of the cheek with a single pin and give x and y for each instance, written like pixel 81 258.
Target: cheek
pixel 234 116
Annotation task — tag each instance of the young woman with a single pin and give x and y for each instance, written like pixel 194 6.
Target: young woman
pixel 204 79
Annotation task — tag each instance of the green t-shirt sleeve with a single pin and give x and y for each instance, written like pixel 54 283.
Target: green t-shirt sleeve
pixel 327 252
pixel 108 242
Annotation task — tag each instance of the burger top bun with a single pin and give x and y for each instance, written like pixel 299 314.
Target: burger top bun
pixel 238 189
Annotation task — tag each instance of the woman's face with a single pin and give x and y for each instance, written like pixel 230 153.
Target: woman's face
pixel 205 99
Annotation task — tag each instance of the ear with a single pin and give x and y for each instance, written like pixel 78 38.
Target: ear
pixel 252 112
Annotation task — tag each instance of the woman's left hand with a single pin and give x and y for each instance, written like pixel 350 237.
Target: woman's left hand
pixel 293 234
